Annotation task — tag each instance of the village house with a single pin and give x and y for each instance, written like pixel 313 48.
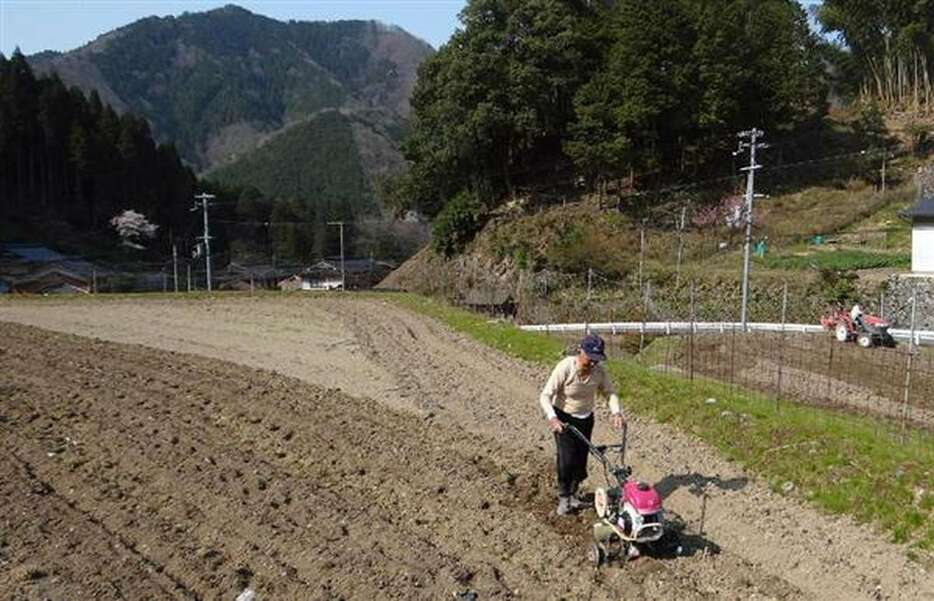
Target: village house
pixel 36 269
pixel 922 236
pixel 51 280
pixel 359 273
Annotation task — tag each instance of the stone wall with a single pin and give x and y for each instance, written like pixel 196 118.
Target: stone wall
pixel 898 301
pixel 924 179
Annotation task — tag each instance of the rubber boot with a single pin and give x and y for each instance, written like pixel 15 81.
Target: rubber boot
pixel 564 505
pixel 575 501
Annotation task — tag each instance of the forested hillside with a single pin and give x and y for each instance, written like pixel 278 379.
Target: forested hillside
pixel 70 159
pixel 316 160
pixel 642 96
pixel 221 83
pixel 128 120
pixel 886 51
pixel 582 158
pixel 70 164
pixel 217 82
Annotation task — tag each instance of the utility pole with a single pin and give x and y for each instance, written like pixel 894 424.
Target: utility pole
pixel 343 272
pixel 752 135
pixel 202 201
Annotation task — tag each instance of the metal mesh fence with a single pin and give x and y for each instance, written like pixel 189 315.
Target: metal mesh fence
pixel 893 383
pixel 813 369
pixel 690 272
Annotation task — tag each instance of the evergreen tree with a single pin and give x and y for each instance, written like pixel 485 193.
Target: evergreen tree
pixel 652 89
pixel 492 105
pixel 892 45
pixel 65 157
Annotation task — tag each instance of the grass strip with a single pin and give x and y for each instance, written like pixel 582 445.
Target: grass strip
pixel 848 464
pixel 840 260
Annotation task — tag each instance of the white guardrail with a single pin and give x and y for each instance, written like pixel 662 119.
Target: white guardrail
pixel 922 337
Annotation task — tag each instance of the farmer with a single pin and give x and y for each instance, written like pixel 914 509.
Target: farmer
pixel 856 316
pixel 569 398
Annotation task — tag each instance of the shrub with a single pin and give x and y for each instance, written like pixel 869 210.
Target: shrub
pixel 457 224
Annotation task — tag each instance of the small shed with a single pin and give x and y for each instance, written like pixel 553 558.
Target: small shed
pixel 922 235
pixel 240 276
pixel 494 301
pixel 291 283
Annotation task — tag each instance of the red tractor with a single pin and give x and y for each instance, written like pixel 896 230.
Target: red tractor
pixel 866 330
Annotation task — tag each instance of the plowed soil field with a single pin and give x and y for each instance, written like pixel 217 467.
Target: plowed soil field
pixel 325 448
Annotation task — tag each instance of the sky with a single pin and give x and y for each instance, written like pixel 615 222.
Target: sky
pixel 36 25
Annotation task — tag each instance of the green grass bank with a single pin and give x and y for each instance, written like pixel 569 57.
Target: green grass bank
pixel 849 464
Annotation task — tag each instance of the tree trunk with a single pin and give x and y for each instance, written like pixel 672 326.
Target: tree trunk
pixel 877 78
pixel 927 83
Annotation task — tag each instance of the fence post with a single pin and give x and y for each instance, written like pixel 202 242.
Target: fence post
pixel 684 211
pixel 911 355
pixel 781 351
pixel 830 369
pixel 733 357
pixel 668 345
pixel 645 308
pixel 691 339
pixel 641 253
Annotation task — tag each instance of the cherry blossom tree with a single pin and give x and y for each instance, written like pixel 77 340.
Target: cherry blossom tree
pixel 133 228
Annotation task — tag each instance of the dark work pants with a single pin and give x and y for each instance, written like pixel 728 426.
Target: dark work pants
pixel 572 453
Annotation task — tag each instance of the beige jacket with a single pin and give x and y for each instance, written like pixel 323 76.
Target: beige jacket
pixel 572 393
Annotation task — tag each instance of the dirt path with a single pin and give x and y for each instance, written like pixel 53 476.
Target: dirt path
pixel 483 405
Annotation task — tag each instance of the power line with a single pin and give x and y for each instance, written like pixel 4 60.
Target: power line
pixel 675 189
pixel 267 223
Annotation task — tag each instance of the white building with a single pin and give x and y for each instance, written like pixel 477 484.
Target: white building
pixel 922 236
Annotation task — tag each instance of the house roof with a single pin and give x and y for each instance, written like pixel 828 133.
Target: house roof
pixel 351 265
pixel 63 288
pixel 47 272
pixel 259 270
pixel 36 254
pixel 924 208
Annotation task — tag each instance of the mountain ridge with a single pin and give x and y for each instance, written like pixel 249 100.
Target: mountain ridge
pixel 222 83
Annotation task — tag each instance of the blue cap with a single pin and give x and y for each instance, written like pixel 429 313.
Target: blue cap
pixel 593 347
